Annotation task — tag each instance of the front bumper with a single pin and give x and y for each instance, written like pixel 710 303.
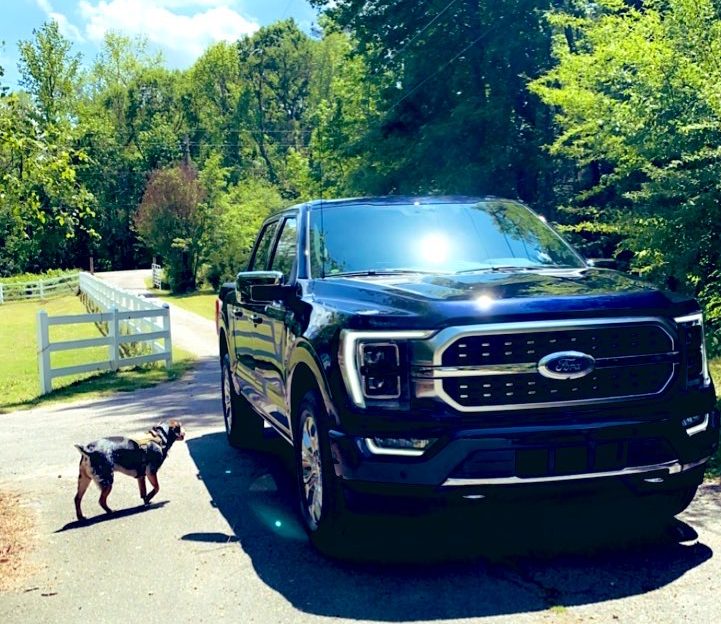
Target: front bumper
pixel 467 462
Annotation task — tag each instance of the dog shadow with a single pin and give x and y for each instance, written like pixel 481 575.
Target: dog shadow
pixel 115 515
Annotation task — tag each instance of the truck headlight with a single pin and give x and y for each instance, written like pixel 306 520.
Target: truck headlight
pixel 692 337
pixel 371 363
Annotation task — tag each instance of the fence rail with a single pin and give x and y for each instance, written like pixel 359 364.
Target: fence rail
pixel 40 288
pixel 136 331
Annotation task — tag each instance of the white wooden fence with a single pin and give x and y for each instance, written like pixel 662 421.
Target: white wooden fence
pixel 129 320
pixel 40 288
pixel 157 275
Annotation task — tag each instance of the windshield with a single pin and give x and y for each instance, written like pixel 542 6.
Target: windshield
pixel 433 238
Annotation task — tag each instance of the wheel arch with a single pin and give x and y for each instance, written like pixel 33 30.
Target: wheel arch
pixel 306 374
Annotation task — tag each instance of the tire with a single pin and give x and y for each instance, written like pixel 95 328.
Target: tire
pixel 320 498
pixel 243 426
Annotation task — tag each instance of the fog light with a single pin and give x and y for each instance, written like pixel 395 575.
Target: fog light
pixel 695 424
pixel 399 446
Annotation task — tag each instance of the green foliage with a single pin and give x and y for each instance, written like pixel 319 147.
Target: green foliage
pixel 242 208
pixel 21 278
pixel 637 94
pixel 455 113
pixel 49 71
pixel 173 221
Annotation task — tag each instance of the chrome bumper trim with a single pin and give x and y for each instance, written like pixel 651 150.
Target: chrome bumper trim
pixel 671 467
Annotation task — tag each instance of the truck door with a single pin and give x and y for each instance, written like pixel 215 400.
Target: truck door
pixel 245 336
pixel 275 316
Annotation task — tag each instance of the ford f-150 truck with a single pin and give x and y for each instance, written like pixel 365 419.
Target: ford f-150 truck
pixel 458 347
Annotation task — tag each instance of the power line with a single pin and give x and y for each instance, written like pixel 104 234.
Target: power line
pixel 439 70
pixel 422 30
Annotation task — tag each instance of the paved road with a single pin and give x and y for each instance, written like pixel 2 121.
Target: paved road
pixel 222 543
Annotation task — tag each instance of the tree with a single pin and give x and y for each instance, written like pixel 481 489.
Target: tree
pixel 277 68
pixel 120 155
pixel 49 71
pixel 243 208
pixel 172 221
pixel 455 111
pixel 638 101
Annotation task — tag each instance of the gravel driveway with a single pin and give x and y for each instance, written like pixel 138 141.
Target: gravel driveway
pixel 221 542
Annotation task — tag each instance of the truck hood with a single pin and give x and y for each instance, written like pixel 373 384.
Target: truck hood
pixel 487 296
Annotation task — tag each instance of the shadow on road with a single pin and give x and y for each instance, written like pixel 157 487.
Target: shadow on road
pixel 116 515
pixel 441 564
pixel 194 399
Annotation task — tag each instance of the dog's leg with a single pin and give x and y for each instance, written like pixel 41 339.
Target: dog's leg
pixel 153 478
pixel 84 480
pixel 143 490
pixel 104 493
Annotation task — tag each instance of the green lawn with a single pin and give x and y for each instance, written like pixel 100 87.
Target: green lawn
pixel 18 358
pixel 201 302
pixel 714 468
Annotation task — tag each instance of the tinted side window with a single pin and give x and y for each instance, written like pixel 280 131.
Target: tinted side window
pixel 262 253
pixel 286 250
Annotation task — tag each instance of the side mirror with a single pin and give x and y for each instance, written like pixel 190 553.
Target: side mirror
pixel 261 287
pixel 603 263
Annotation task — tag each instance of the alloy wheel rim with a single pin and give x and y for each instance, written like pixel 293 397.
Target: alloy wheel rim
pixel 311 469
pixel 227 406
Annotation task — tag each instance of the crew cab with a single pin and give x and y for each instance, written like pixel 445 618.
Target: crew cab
pixel 459 347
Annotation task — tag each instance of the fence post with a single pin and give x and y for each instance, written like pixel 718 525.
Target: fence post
pixel 2 300
pixel 114 331
pixel 42 289
pixel 46 382
pixel 168 340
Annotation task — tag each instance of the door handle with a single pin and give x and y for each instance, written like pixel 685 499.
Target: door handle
pixel 237 313
pixel 255 319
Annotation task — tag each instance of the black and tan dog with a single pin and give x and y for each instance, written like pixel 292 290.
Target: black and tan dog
pixel 136 457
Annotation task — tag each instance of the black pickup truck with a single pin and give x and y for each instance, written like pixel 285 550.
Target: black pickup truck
pixel 458 347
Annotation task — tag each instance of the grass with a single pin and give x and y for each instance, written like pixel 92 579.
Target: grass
pixel 714 468
pixel 18 359
pixel 200 302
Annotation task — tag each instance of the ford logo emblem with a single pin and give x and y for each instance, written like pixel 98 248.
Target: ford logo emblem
pixel 566 365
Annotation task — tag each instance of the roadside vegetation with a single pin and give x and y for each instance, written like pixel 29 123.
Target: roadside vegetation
pixel 200 302
pixel 18 358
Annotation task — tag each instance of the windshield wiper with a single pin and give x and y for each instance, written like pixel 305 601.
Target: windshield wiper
pixel 510 267
pixel 375 272
pixel 500 268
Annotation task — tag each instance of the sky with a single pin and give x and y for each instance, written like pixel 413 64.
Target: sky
pixel 181 29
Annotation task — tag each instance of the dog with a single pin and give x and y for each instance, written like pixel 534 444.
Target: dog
pixel 137 457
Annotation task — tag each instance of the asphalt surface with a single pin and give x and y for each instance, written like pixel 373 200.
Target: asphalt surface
pixel 221 541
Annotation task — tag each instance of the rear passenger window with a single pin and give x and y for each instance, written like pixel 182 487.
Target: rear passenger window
pixel 286 250
pixel 262 253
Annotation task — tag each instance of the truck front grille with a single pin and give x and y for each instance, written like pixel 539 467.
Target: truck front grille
pixel 532 388
pixel 600 342
pixel 496 367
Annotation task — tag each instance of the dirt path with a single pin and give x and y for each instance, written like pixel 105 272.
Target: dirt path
pixel 222 543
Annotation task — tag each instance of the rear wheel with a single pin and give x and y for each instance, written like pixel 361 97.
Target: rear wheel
pixel 243 426
pixel 319 492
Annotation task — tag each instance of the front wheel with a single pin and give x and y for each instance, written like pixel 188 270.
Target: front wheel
pixel 243 426
pixel 319 493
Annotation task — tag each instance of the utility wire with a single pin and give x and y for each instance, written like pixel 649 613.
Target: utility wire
pixel 422 30
pixel 439 70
